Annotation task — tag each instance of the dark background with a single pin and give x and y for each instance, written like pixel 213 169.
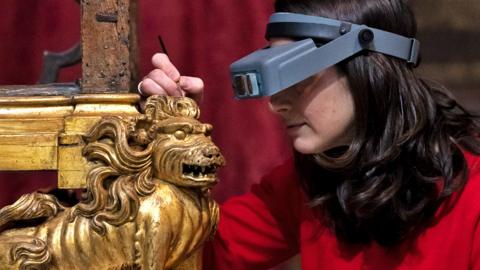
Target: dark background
pixel 203 37
pixel 450 37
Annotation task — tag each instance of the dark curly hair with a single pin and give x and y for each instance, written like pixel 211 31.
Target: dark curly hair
pixel 406 156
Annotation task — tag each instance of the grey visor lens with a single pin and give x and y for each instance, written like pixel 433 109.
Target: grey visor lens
pixel 246 85
pixel 268 71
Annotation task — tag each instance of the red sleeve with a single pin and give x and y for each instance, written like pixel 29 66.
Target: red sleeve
pixel 259 229
pixel 476 249
pixel 474 174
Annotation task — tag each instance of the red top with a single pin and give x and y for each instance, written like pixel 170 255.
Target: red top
pixel 272 223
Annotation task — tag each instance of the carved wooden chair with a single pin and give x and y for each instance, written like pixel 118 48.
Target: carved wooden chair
pixel 146 206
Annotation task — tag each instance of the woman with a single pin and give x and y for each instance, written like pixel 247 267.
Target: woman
pixel 386 173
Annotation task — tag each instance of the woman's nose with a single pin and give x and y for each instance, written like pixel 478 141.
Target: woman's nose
pixel 282 101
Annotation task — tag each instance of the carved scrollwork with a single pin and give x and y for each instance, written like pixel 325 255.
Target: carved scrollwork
pixel 146 206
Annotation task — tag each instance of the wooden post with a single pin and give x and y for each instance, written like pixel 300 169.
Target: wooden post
pixel 41 126
pixel 109 46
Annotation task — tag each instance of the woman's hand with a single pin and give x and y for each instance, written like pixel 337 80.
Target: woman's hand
pixel 165 79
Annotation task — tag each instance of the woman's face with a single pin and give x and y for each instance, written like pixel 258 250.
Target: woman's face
pixel 318 112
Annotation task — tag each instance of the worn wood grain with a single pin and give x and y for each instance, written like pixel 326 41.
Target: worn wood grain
pixel 21 126
pixel 29 151
pixel 72 167
pixel 105 109
pixel 54 89
pixel 80 125
pixel 109 44
pixel 45 101
pixel 17 112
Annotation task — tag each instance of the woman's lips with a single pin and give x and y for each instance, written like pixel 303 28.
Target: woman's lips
pixel 293 127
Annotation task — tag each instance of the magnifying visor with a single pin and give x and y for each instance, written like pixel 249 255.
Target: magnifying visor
pixel 268 71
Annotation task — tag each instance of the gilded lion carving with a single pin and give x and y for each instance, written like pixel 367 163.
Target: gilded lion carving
pixel 147 203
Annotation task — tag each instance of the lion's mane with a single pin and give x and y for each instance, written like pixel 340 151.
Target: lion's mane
pixel 121 152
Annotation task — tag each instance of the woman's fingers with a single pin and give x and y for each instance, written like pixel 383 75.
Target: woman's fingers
pixel 192 86
pixel 161 61
pixel 149 87
pixel 158 83
pixel 166 80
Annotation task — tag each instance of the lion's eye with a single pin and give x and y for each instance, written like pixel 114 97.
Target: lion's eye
pixel 180 134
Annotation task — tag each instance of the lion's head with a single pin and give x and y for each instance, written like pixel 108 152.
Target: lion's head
pixel 184 154
pixel 167 143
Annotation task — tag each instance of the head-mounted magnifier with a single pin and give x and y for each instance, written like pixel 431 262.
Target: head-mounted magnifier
pixel 268 71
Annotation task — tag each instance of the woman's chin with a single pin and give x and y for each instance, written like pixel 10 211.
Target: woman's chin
pixel 306 148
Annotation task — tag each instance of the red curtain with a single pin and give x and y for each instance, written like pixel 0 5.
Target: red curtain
pixel 203 37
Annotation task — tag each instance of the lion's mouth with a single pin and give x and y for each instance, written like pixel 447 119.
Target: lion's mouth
pixel 200 173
